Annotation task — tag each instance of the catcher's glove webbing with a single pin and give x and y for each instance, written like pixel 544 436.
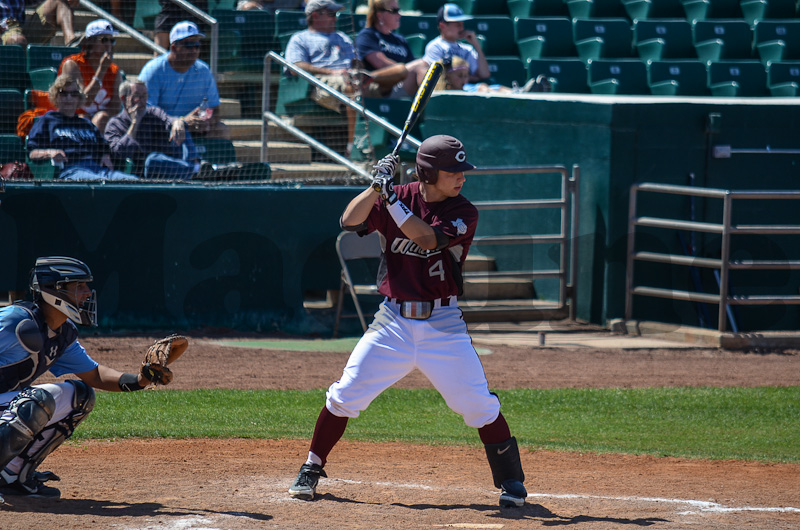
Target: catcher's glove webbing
pixel 162 353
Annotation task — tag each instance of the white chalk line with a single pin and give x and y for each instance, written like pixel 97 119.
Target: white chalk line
pixel 703 506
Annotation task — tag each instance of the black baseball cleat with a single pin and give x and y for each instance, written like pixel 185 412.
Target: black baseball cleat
pixel 512 494
pixel 305 485
pixel 33 488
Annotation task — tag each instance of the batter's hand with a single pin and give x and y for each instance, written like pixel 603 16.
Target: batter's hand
pixel 384 184
pixel 386 165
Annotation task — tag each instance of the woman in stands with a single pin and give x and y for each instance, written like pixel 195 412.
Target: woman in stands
pixel 379 47
pixel 100 75
pixel 69 141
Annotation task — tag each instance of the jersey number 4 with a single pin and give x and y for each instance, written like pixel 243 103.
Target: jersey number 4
pixel 437 269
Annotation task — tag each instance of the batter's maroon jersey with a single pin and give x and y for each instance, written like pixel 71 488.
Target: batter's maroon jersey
pixel 409 272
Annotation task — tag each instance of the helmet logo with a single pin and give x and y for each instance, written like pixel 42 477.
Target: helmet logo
pixel 461 156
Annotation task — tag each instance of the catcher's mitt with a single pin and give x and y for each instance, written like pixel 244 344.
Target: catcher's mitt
pixel 162 353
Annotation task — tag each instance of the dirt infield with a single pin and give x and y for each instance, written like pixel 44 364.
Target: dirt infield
pixel 241 484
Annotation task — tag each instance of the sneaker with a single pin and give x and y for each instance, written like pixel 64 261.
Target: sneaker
pixel 512 494
pixel 305 485
pixel 33 488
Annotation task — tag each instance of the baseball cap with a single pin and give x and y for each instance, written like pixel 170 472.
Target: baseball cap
pixel 184 30
pixel 99 27
pixel 444 153
pixel 316 5
pixel 451 13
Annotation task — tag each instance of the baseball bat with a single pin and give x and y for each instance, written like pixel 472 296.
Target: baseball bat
pixel 420 99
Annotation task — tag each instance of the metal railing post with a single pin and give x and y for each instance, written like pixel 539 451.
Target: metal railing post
pixel 725 256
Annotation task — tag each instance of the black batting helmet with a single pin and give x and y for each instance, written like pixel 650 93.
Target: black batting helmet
pixel 50 277
pixel 440 152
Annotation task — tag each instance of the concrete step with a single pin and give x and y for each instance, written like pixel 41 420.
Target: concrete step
pixel 305 172
pixel 131 63
pixel 511 310
pixel 498 288
pixel 245 129
pixel 477 263
pixel 279 152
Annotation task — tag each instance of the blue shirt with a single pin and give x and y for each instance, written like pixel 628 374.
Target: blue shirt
pixel 438 49
pixel 393 45
pixel 323 50
pixel 77 137
pixel 74 360
pixel 178 94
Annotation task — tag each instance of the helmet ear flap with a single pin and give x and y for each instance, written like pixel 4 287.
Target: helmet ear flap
pixel 428 176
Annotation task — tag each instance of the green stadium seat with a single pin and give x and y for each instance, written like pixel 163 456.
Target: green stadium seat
pixel 432 6
pixel 289 21
pixel 648 9
pixel 11 106
pixel 595 8
pixel 42 78
pixel 747 78
pixel 567 75
pixel 417 43
pixel 350 23
pixel 425 24
pixel 755 10
pixel 507 70
pixel 544 37
pixel 12 148
pixel 549 8
pixel 716 40
pixel 678 77
pixel 519 8
pixel 395 112
pixel 783 79
pixel 712 9
pixel 602 38
pixel 618 76
pixel 245 41
pixel 145 15
pixel 45 56
pixel 498 32
pixel 657 39
pixel 489 7
pixel 14 76
pixel 777 40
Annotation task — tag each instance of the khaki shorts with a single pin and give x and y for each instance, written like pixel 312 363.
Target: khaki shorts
pixel 36 29
pixel 326 99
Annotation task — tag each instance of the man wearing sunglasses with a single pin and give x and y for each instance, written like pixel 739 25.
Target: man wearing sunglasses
pixel 179 83
pixel 101 79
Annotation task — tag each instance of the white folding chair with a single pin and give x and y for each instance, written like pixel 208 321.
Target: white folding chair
pixel 350 246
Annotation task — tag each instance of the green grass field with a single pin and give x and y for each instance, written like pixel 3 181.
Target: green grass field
pixel 717 423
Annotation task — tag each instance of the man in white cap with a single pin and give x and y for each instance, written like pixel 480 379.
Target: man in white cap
pixel 100 75
pixel 451 30
pixel 182 85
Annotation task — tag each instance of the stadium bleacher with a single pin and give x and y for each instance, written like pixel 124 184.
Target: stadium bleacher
pixel 719 48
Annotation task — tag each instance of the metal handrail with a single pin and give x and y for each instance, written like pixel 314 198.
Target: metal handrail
pixel 724 264
pixel 268 116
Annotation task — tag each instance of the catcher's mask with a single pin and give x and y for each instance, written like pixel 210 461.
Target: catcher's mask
pixel 440 153
pixel 54 280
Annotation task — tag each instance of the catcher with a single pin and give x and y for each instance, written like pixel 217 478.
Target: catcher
pixel 39 337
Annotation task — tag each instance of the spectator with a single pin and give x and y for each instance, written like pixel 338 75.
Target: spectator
pixel 170 15
pixel 268 5
pixel 381 48
pixel 69 141
pixel 51 15
pixel 456 77
pixel 327 54
pixel 157 143
pixel 451 29
pixel 100 75
pixel 179 83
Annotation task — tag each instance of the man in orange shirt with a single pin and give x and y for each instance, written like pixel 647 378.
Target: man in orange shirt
pixel 100 75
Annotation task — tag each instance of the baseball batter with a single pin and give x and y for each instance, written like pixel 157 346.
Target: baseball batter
pixel 37 337
pixel 427 228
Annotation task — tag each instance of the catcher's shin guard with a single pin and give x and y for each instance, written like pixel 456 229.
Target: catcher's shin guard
pixel 506 465
pixel 83 399
pixel 29 413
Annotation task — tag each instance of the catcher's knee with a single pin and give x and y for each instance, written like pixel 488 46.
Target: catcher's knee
pixel 30 412
pixel 82 399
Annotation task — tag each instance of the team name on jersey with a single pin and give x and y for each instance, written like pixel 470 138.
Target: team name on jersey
pixel 408 248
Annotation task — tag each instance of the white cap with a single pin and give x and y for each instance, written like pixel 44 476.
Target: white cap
pixel 184 30
pixel 99 27
pixel 451 13
pixel 316 5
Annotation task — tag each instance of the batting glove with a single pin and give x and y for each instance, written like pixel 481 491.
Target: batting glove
pixel 385 186
pixel 386 165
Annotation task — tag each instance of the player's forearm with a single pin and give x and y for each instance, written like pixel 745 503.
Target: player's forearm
pixel 419 232
pixel 359 208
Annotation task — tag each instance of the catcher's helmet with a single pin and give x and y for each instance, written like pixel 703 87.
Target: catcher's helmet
pixel 440 152
pixel 49 284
